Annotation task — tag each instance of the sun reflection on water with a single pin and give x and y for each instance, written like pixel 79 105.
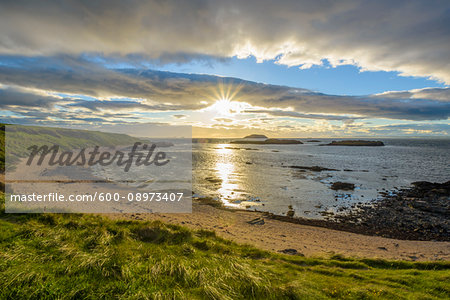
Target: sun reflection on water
pixel 226 172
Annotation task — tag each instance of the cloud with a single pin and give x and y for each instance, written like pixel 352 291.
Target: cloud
pixel 117 105
pixel 225 120
pixel 143 90
pixel 13 97
pixel 77 76
pixel 411 37
pixel 412 129
pixel 294 114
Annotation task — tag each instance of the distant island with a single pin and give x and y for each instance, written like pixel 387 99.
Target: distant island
pixel 268 142
pixel 354 143
pixel 256 136
pixel 313 141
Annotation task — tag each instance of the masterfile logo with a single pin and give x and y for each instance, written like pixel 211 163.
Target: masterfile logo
pixel 146 157
pixel 72 171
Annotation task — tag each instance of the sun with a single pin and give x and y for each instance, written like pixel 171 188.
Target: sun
pixel 226 107
pixel 226 104
pixel 223 106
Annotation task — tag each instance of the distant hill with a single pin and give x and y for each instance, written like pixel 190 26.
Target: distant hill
pixel 26 136
pixel 268 142
pixel 256 136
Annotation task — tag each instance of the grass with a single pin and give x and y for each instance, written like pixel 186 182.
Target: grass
pixel 93 257
pixel 74 256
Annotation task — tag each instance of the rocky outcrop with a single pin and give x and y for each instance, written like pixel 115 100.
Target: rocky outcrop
pixel 421 212
pixel 345 186
pixel 417 213
pixel 354 143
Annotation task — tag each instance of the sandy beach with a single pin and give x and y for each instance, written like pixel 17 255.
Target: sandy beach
pixel 225 149
pixel 257 229
pixel 274 235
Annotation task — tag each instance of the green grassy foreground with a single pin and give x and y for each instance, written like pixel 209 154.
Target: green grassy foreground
pixel 92 257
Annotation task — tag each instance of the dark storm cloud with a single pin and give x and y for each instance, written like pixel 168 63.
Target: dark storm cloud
pixel 98 105
pixel 407 36
pixel 366 106
pixel 19 97
pixel 77 76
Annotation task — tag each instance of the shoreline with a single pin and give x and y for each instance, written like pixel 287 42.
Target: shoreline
pixel 269 233
pixel 257 229
pixel 415 213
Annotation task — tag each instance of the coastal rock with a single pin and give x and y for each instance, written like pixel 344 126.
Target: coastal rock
pixel 339 185
pixel 257 221
pixel 419 213
pixel 290 213
pixel 290 251
pixel 313 168
pixel 213 179
pixel 354 143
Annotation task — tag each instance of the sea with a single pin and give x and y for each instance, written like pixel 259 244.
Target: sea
pixel 262 177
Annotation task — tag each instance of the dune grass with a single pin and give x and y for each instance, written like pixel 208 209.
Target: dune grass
pixel 93 257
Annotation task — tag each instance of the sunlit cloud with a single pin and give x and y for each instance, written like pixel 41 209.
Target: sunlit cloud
pixel 79 64
pixel 410 37
pixel 149 90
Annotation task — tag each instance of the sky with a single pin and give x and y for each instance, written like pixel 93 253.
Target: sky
pixel 321 68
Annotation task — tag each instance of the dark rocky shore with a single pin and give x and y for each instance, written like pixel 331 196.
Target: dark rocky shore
pixel 421 212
